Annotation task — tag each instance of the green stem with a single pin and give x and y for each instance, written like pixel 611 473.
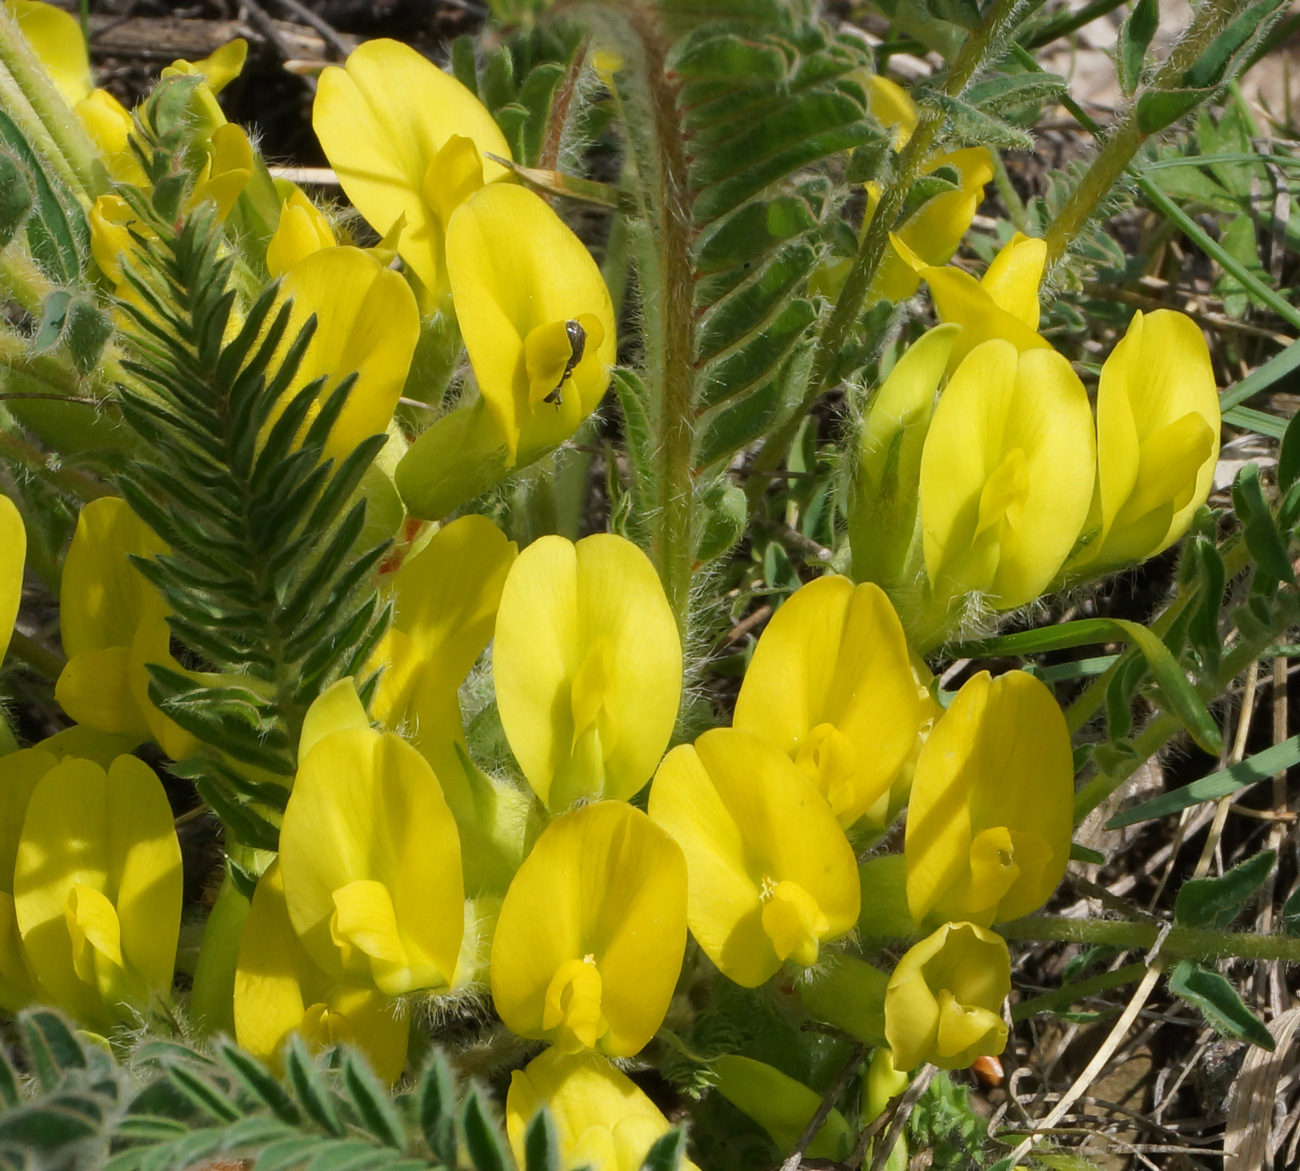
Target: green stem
pixel 1193 943
pixel 1077 991
pixel 55 116
pixel 1126 137
pixel 1065 24
pixel 982 41
pixel 21 281
pixel 667 303
pixel 39 658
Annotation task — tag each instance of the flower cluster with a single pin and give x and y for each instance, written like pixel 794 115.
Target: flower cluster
pixel 1003 487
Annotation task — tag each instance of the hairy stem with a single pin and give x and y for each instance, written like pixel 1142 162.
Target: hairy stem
pixel 73 147
pixel 1126 137
pixel 980 45
pixel 1192 943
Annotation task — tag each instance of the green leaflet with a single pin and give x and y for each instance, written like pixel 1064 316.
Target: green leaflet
pixel 57 232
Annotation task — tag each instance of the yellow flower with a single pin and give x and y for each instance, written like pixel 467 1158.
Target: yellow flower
pixel 303 229
pixel 602 1120
pixel 406 140
pixel 226 171
pixel 588 668
pixel 19 773
pixel 13 537
pixel 1006 475
pixel 97 889
pixel 371 864
pixel 831 685
pixel 535 314
pixel 113 624
pixel 367 324
pixel 772 876
pixel 217 70
pixel 991 810
pixel 1157 439
pixel 280 991
pixel 781 1106
pixel 55 37
pixel 945 997
pixel 884 525
pixel 109 125
pixel 1003 304
pixel 590 939
pixel 111 222
pixel 892 106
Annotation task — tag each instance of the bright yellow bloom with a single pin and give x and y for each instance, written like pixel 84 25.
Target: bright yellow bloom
pixel 602 1119
pixel 113 624
pixel 406 140
pixel 13 536
pixel 109 125
pixel 892 106
pixel 1004 304
pixel 1158 427
pixel 55 37
pixel 280 991
pixel 217 71
pixel 303 229
pixel 944 1000
pixel 97 889
pixel 831 685
pixel 988 825
pixel 588 668
pixel 884 527
pixel 371 864
pixel 1006 475
pixel 781 1106
pixel 19 773
pixel 772 876
pixel 367 324
pixel 111 223
pixel 226 171
pixel 535 313
pixel 591 935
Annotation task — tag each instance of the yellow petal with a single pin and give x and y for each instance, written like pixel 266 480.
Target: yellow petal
pixel 1013 277
pixel 601 903
pixel 56 38
pixel 1006 474
pixel 515 267
pixel 1151 479
pixel 1000 759
pixel 109 125
pixel 103 597
pixel 277 986
pixel 219 68
pixel 366 806
pixel 781 1106
pixel 892 106
pixel 446 595
pixel 381 120
pixel 560 601
pixel 835 655
pixel 337 709
pixel 14 538
pixel 367 324
pixel 747 820
pixel 101 747
pixel 229 168
pixel 944 999
pixel 17 986
pixel 939 225
pixel 95 690
pixel 19 773
pixel 589 1101
pixel 303 229
pixel 110 833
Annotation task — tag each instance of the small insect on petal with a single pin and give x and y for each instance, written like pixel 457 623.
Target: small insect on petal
pixel 578 344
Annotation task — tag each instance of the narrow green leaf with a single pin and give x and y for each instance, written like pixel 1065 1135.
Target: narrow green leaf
pixel 371 1102
pixel 1134 40
pixel 1262 537
pixel 1291 913
pixel 437 1109
pixel 1080 853
pixel 973 126
pixel 541 1149
pixel 259 1082
pixel 286 1154
pixel 1288 456
pixel 666 1152
pixel 47 1127
pixel 309 1087
pixel 1250 771
pixel 202 1093
pixel 1002 91
pixel 51 1045
pixel 1216 902
pixel 1219 1002
pixel 1182 697
pixel 487 1149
